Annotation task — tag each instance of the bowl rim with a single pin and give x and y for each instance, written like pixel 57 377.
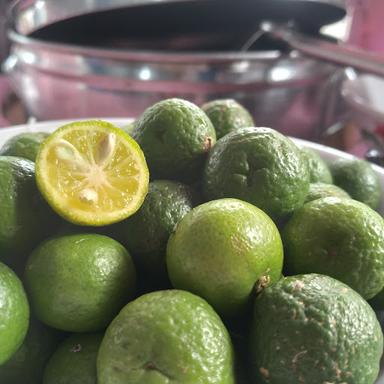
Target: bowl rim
pixel 48 125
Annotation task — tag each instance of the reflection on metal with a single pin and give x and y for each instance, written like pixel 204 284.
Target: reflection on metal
pixel 283 90
pixel 145 74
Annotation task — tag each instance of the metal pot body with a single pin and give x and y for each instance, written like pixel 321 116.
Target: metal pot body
pixel 56 81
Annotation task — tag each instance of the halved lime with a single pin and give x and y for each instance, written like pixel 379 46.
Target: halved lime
pixel 92 173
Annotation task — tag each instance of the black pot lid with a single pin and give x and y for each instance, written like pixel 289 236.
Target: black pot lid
pixel 167 24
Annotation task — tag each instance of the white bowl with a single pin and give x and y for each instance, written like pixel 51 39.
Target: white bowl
pixel 327 153
pixel 365 96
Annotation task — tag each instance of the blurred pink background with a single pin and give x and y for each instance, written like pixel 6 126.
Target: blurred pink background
pixel 366 22
pixel 365 29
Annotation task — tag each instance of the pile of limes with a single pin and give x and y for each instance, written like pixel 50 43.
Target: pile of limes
pixel 187 248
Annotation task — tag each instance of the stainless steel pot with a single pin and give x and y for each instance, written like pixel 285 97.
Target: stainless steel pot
pixel 63 80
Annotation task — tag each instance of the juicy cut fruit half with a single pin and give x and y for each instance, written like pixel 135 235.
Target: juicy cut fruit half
pixel 92 173
pixel 166 337
pixel 314 329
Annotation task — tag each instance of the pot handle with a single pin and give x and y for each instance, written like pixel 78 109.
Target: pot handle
pixel 330 52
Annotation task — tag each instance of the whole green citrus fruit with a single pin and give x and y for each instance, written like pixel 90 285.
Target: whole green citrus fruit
pixel 25 219
pixel 314 329
pixel 128 128
pixel 258 165
pixel 14 313
pixel 339 237
pixel 28 363
pixel 227 115
pixel 24 145
pixel 175 136
pixel 318 168
pixel 358 179
pixel 163 337
pixel 146 233
pixel 222 251
pixel 320 190
pixel 74 361
pixel 78 283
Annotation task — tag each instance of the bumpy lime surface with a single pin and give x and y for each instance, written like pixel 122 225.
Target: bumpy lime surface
pixel 258 165
pixel 24 217
pixel 342 238
pixel 318 169
pixel 320 190
pixel 314 329
pixel 78 283
pixel 358 179
pixel 24 145
pixel 166 337
pixel 74 361
pixel 227 116
pixel 222 250
pixel 175 136
pixel 146 233
pixel 128 128
pixel 28 363
pixel 14 313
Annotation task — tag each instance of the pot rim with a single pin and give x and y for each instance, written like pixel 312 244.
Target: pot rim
pixel 147 55
pixel 224 71
pixel 29 15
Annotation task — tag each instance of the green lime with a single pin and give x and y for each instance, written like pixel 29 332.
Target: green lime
pixel 258 165
pixel 223 250
pixel 166 337
pixel 339 237
pixel 320 190
pixel 227 115
pixel 92 173
pixel 318 168
pixel 314 329
pixel 28 363
pixel 358 179
pixel 79 282
pixel 24 145
pixel 175 136
pixel 74 361
pixel 25 219
pixel 128 128
pixel 146 233
pixel 14 313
